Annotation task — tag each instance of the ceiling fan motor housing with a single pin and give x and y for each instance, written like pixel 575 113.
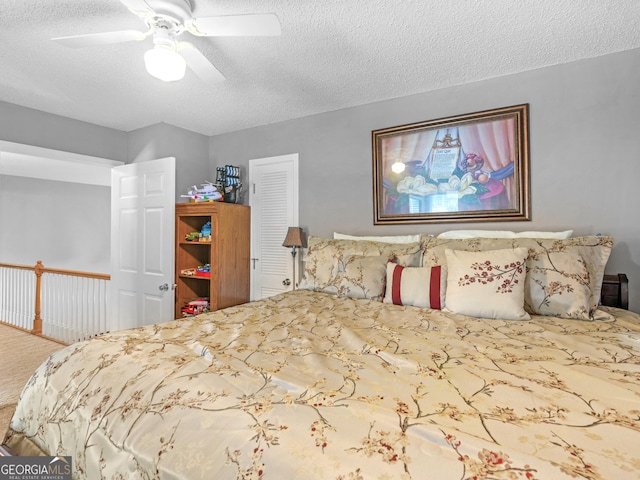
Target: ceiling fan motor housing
pixel 164 35
pixel 177 12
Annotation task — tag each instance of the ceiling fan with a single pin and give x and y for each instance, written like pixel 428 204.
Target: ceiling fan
pixel 168 19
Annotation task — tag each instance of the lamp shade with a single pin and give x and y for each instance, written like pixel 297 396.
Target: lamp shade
pixel 293 238
pixel 164 63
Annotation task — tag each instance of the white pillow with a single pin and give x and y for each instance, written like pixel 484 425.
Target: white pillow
pixel 385 239
pixel 553 235
pixel 457 234
pixel 487 284
pixel 417 286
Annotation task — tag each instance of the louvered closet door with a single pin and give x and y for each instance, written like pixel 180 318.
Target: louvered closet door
pixel 274 208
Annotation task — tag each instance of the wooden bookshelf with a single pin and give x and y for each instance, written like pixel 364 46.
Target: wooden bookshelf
pixel 228 254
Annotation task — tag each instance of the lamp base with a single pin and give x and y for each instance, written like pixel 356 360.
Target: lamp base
pixel 293 257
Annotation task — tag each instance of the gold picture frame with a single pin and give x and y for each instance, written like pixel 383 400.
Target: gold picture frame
pixel 466 168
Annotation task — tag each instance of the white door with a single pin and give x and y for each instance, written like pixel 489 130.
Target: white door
pixel 273 197
pixel 142 243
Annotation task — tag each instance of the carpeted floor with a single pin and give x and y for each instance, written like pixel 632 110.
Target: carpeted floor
pixel 20 354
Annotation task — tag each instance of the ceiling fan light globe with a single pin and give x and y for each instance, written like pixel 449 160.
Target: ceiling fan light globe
pixel 165 63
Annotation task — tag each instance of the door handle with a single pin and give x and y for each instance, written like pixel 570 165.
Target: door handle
pixel 164 287
pixel 286 282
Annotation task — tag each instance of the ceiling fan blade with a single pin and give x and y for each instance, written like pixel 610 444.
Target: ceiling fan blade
pixel 235 25
pixel 200 64
pixel 105 38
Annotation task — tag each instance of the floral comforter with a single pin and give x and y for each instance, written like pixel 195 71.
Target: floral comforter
pixel 308 385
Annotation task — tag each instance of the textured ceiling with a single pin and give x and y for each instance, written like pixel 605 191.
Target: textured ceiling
pixel 332 54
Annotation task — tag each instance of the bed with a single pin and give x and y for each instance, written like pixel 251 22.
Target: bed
pixel 338 380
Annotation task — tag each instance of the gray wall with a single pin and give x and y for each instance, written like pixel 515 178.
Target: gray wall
pixel 67 225
pixel 33 127
pixel 583 148
pixel 190 149
pixel 63 224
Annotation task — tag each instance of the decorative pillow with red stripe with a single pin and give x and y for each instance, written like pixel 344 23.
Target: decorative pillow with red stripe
pixel 416 286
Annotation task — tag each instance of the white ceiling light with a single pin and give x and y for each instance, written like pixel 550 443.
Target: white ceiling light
pixel 163 61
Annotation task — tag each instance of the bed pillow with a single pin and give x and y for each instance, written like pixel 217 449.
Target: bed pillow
pixel 409 260
pixel 384 238
pixel 557 285
pixel 575 254
pixel 326 258
pixel 362 277
pixel 504 234
pixel 487 284
pixel 415 286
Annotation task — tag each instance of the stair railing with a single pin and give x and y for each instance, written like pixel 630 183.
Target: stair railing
pixel 65 305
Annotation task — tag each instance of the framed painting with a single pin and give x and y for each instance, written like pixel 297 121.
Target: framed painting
pixel 467 168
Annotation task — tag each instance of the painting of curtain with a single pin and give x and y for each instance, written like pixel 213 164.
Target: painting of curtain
pixel 469 168
pixel 494 143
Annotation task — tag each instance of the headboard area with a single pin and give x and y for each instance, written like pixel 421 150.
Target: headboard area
pixel 615 291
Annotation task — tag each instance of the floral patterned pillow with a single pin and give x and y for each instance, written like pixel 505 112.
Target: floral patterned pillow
pixel 363 277
pixel 326 258
pixel 409 260
pixel 487 284
pixel 557 285
pixel 578 262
